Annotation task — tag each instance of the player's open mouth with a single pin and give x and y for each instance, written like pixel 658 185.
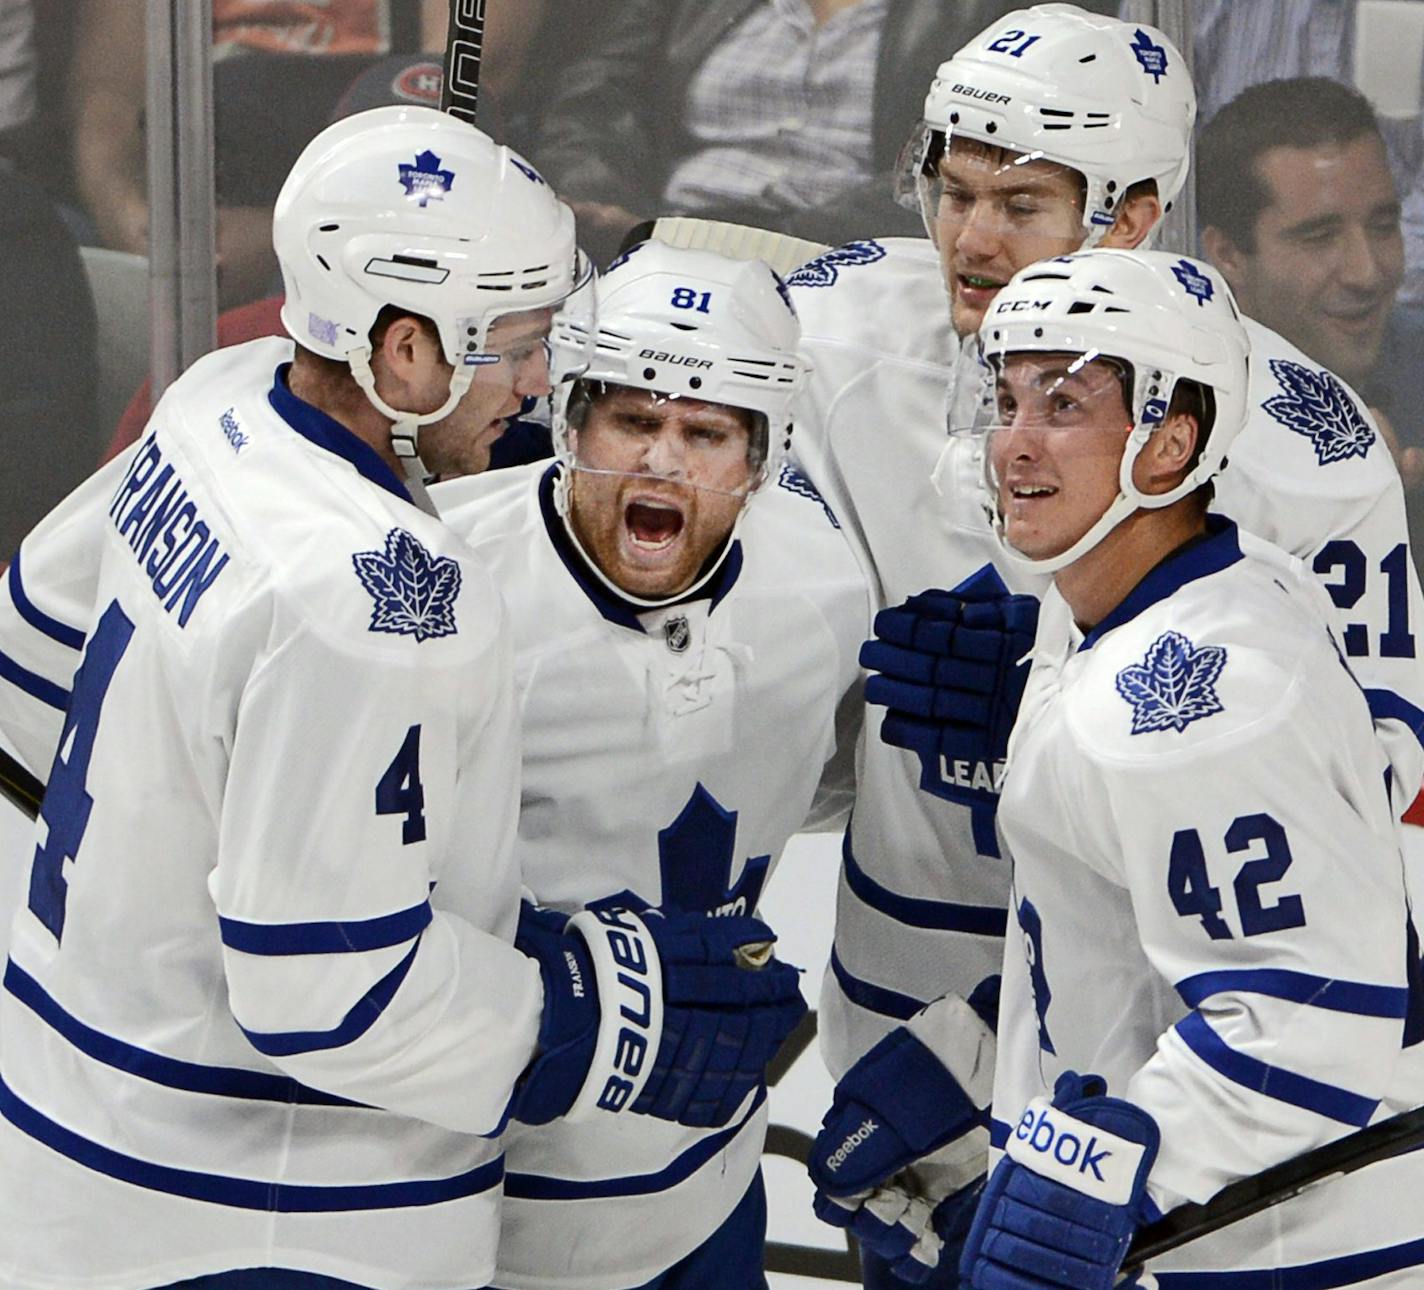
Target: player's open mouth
pixel 1027 492
pixel 652 527
pixel 975 283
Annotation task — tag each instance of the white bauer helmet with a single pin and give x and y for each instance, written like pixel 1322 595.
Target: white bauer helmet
pixel 1162 318
pixel 1110 100
pixel 686 324
pixel 411 207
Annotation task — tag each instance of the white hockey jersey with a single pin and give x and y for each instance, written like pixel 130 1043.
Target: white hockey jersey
pixel 923 891
pixel 1209 904
pixel 672 753
pixel 261 1008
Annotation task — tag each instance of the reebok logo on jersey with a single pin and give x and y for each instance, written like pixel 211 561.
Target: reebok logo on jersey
pixel 983 775
pixel 575 976
pixel 232 431
pixel 839 1156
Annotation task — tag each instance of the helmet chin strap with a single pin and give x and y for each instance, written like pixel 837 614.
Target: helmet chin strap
pixel 563 503
pixel 405 432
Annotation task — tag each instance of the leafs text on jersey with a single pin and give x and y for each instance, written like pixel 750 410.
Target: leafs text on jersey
pixel 1173 685
pixel 414 591
pixel 1318 406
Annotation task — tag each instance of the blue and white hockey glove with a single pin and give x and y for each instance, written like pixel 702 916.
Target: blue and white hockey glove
pixel 1061 1208
pixel 656 1012
pixel 949 666
pixel 901 1155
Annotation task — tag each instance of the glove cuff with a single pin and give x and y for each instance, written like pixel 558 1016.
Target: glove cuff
pixel 1083 1156
pixel 628 976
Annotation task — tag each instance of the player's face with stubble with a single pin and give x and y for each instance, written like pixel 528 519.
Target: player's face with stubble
pixel 460 444
pixel 1056 454
pixel 657 486
pixel 999 213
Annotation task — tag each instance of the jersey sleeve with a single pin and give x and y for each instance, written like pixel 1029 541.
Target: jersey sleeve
pixel 46 596
pixel 1266 884
pixel 372 788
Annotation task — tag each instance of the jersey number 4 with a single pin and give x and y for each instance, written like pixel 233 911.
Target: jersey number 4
pixel 67 802
pixel 1192 893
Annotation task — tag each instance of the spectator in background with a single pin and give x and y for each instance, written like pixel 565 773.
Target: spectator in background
pixel 280 67
pixel 47 378
pixel 1299 210
pixel 781 113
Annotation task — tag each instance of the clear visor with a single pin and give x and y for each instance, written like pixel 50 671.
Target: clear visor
pixel 1011 452
pixel 541 347
pixel 618 431
pixel 960 184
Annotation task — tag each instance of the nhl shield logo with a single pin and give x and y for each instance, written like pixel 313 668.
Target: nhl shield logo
pixel 678 634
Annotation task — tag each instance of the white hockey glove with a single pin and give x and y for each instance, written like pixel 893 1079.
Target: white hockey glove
pixel 661 1013
pixel 902 1152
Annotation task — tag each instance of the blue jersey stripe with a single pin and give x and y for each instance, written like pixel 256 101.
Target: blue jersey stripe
pixel 364 1014
pixel 1345 1270
pixel 942 916
pixel 243 1193
pixel 36 617
pixel 1299 987
pixel 32 683
pixel 1386 705
pixel 190 1077
pixel 874 998
pixel 1272 1081
pixel 326 938
pixel 999 1131
pixel 540 1187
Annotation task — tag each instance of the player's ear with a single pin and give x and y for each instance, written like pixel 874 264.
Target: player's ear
pixel 1138 215
pixel 406 347
pixel 1168 455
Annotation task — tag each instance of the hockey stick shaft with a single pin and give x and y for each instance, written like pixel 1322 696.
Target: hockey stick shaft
pixel 1248 1196
pixel 17 785
pixel 464 48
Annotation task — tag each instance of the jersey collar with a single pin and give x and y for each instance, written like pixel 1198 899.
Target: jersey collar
pixel 326 432
pixel 1217 549
pixel 612 606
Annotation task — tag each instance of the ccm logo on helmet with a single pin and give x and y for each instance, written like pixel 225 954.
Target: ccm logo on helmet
pixel 624 938
pixel 677 360
pixel 987 96
pixel 1013 306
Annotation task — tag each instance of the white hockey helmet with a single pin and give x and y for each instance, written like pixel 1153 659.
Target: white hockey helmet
pixel 692 324
pixel 1160 318
pixel 1109 100
pixel 411 207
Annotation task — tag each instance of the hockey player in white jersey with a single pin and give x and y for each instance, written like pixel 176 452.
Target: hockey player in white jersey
pixel 1051 131
pixel 1210 970
pixel 267 1009
pixel 686 620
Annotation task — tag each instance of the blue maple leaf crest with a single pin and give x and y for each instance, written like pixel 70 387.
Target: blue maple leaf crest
pixel 1173 685
pixel 1151 55
pixel 1194 281
pixel 425 180
pixel 1317 405
pixel 793 481
pixel 415 592
pixel 825 269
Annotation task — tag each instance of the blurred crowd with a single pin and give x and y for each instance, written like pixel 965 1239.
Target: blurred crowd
pixel 783 114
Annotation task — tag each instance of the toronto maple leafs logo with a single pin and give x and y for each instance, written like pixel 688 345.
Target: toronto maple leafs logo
pixel 1151 55
pixel 825 269
pixel 1316 404
pixel 415 592
pixel 793 481
pixel 1173 685
pixel 425 180
pixel 1194 281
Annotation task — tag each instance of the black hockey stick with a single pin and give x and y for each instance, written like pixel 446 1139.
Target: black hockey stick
pixel 17 785
pixel 1393 1137
pixel 464 47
